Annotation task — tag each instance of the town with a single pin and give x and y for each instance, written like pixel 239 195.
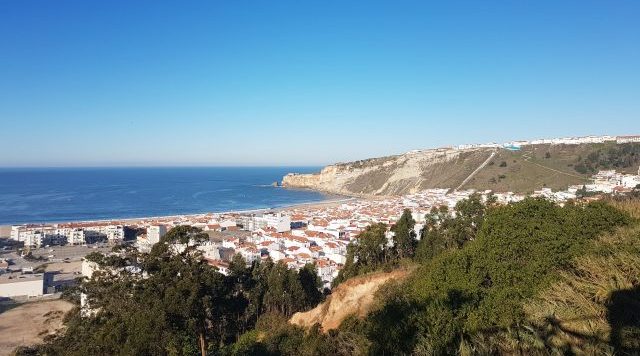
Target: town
pixel 314 233
pixel 555 141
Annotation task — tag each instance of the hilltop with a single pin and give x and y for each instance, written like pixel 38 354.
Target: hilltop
pixel 520 170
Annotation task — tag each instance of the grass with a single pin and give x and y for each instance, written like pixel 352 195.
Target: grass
pixel 529 169
pixel 532 168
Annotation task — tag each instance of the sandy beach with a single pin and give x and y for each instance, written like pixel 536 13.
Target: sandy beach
pixel 5 230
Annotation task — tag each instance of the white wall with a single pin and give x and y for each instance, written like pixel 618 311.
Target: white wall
pixel 29 287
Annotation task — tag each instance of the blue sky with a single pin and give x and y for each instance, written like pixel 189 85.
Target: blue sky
pixel 102 83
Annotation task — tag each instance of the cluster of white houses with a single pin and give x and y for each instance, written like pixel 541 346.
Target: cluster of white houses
pixel 71 234
pixel 555 141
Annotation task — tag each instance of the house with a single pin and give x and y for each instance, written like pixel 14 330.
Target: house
pixel 221 266
pixel 226 224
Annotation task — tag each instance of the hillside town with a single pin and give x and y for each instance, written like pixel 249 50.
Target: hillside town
pixel 316 234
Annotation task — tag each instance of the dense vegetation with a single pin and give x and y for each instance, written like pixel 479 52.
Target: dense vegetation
pixel 614 157
pixel 172 302
pixel 517 279
pixel 480 271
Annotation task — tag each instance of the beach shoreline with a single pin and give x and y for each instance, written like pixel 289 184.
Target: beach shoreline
pixel 5 230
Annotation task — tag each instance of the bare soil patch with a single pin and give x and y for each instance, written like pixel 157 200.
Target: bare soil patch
pixel 354 296
pixel 29 323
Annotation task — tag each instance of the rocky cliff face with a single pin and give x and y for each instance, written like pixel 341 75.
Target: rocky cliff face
pixel 393 175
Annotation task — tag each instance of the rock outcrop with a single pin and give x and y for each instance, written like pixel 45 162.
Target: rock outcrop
pixel 393 175
pixel 353 297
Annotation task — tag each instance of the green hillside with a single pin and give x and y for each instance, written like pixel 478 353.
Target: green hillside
pixel 552 166
pixel 532 279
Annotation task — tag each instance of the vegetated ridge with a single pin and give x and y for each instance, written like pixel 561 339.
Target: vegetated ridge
pixel 527 278
pixel 533 167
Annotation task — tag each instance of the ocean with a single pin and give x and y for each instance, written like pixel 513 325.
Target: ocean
pixel 39 195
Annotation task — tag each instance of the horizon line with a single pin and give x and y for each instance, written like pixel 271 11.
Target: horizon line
pixel 159 166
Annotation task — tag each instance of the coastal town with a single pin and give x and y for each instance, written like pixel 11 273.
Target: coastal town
pixel 308 234
pixel 224 178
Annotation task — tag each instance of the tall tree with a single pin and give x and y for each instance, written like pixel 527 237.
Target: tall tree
pixel 404 238
pixel 311 284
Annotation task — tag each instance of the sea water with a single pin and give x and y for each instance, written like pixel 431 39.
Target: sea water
pixel 38 195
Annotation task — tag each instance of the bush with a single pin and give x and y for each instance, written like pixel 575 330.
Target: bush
pixel 482 287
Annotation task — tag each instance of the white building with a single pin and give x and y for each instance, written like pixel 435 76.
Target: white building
pixel 627 139
pixel 630 181
pixel 32 238
pixel 114 233
pixel 15 232
pixel 29 285
pixel 277 221
pixel 88 267
pixel 74 236
pixel 155 233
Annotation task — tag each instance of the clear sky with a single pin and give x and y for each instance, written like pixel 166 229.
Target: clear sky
pixel 86 83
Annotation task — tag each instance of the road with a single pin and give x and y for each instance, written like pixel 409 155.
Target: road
pixel 484 164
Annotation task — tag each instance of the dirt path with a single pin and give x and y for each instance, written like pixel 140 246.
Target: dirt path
pixel 484 164
pixel 28 323
pixel 527 158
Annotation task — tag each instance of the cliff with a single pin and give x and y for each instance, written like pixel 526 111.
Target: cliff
pixel 501 170
pixel 393 175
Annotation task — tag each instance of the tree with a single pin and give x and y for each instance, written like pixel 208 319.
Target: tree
pixel 191 292
pixel 582 192
pixel 443 231
pixel 169 301
pixel 284 294
pixel 369 252
pixel 432 242
pixel 404 238
pixel 372 246
pixel 311 285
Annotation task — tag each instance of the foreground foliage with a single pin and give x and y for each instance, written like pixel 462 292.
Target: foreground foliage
pixel 530 278
pixel 489 288
pixel 171 302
